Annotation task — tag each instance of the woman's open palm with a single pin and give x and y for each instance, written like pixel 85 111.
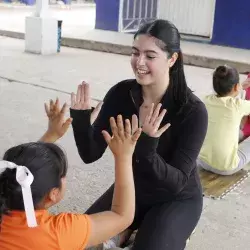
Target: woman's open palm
pixel 82 101
pixel 151 125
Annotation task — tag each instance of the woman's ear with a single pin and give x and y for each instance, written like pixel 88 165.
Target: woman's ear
pixel 172 60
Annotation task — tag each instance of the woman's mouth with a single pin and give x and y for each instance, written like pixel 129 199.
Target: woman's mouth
pixel 142 72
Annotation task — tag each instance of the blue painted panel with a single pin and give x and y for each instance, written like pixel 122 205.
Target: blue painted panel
pixel 232 23
pixel 107 14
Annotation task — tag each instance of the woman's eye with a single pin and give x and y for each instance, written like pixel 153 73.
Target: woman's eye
pixel 150 57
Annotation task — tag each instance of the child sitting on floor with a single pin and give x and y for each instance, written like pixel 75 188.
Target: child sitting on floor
pixel 221 152
pixel 32 179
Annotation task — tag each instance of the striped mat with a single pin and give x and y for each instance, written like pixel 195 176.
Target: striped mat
pixel 217 186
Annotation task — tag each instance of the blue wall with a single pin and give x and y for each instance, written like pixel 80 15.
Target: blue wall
pixel 232 23
pixel 107 14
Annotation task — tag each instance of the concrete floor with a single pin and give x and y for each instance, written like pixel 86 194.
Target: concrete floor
pixel 27 81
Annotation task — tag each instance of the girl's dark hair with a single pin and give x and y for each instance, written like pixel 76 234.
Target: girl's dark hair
pixel 48 164
pixel 224 79
pixel 169 41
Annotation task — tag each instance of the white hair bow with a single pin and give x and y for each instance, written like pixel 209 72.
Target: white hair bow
pixel 25 178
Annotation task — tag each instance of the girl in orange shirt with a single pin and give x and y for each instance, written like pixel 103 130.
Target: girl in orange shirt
pixel 33 179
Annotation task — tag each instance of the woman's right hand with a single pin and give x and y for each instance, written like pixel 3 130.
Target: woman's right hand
pixel 81 101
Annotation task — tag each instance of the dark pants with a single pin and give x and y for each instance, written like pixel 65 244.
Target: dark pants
pixel 164 226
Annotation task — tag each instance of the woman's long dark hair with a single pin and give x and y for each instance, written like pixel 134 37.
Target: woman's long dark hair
pixel 48 164
pixel 169 41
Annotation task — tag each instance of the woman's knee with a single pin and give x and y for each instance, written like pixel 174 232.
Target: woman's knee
pixel 167 227
pixel 103 203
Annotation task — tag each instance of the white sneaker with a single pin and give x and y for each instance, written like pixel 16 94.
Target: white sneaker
pixel 109 244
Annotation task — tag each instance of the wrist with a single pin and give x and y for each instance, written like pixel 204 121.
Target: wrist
pixel 123 158
pixel 49 137
pixel 146 145
pixel 81 119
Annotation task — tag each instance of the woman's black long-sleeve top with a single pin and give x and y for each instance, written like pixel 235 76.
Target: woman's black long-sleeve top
pixel 164 168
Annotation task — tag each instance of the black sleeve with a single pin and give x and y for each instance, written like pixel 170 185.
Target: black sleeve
pixel 89 139
pixel 175 174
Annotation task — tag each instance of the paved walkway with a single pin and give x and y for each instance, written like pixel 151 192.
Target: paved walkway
pixel 71 66
pixel 27 80
pixel 78 31
pixel 82 18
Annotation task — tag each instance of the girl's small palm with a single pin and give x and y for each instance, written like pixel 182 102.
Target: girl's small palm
pixel 57 126
pixel 123 141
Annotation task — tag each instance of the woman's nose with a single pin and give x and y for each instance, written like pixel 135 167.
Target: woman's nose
pixel 141 61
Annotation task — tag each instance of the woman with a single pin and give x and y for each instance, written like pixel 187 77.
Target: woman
pixel 168 190
pixel 221 152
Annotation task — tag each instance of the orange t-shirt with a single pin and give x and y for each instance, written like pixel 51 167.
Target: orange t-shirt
pixel 65 231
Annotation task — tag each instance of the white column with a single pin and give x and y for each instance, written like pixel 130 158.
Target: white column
pixel 42 8
pixel 41 30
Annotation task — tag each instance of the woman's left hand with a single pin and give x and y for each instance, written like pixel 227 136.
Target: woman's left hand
pixel 153 121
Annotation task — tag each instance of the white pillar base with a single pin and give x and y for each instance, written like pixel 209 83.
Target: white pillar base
pixel 41 35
